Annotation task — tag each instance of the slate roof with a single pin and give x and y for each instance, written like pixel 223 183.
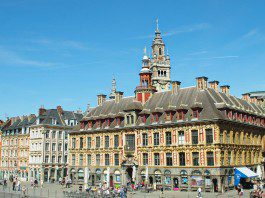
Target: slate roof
pixel 50 114
pixel 19 122
pixel 209 101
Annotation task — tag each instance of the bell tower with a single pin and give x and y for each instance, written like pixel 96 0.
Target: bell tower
pixel 145 90
pixel 160 63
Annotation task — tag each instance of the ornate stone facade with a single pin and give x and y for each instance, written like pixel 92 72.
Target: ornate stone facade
pixel 180 138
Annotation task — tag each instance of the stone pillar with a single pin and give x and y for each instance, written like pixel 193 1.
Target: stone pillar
pixel 55 173
pixel 123 176
pixel 49 173
pixel 86 178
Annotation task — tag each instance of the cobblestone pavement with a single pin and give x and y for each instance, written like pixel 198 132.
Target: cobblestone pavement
pixel 56 191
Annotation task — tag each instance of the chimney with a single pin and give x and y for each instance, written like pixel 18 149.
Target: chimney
pixel 101 99
pixel 225 89
pixel 118 96
pixel 214 84
pixel 59 109
pixel 42 110
pixel 201 82
pixel 246 96
pixel 175 86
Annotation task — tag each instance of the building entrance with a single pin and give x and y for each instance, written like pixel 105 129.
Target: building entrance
pixel 129 172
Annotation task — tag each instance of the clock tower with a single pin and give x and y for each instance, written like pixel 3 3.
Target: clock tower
pixel 160 63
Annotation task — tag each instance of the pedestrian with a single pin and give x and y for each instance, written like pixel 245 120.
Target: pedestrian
pixel 14 185
pixel 24 191
pixel 162 190
pixel 18 185
pixel 241 193
pixel 60 180
pixel 41 183
pixel 199 192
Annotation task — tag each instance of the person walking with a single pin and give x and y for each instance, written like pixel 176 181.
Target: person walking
pixel 18 185
pixel 41 183
pixel 199 192
pixel 14 185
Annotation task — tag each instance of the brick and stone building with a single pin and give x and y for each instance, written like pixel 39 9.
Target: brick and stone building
pixel 183 137
pixel 15 147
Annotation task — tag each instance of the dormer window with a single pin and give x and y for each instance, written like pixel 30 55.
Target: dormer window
pixel 143 118
pixel 155 117
pixel 130 119
pixel 168 116
pixel 180 115
pixel 195 113
pixel 54 121
pixel 117 122
pixel 235 116
pixel 230 114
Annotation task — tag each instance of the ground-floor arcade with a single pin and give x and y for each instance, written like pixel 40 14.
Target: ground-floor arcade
pixel 189 179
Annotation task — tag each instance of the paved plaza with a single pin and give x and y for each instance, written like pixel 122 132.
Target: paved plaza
pixel 56 191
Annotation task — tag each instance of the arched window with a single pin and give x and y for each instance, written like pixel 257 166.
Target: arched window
pixel 165 73
pixel 160 51
pixel 158 72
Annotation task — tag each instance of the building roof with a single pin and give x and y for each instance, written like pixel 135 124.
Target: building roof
pixel 209 101
pixel 50 114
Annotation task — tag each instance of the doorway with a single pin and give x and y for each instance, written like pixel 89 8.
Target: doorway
pixel 175 182
pixel 93 180
pixel 215 185
pixel 129 171
pixel 111 181
pixel 151 180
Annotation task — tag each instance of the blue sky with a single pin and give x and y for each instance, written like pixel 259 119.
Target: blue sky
pixel 66 52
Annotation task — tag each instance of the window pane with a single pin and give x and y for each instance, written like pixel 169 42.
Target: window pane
pixel 194 134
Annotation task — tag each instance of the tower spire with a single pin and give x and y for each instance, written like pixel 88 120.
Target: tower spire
pixel 157 28
pixel 113 89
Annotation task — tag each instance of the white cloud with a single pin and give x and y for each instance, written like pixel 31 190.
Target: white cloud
pixel 8 57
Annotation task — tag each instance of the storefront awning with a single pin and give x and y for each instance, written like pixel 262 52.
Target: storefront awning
pixel 243 172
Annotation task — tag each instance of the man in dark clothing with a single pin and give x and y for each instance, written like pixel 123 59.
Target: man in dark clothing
pixel 14 185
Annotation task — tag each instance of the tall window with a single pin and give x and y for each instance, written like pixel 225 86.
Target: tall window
pixel 53 146
pixel 97 159
pixel 182 159
pixel 81 143
pixel 47 134
pixel 97 142
pixel 169 159
pixel 209 136
pixel 53 134
pixel 81 160
pixel 210 160
pixel 145 158
pixel 181 138
pixel 116 141
pixel 168 138
pixel 106 141
pixel 145 139
pixel 53 159
pixel 89 142
pixel 59 159
pixel 106 159
pixel 221 137
pixel 88 159
pixel 60 134
pixel 194 136
pixel 116 160
pixel 47 159
pixel 73 143
pixel 59 146
pixel 156 139
pixel 157 159
pixel 195 156
pixel 47 145
pixel 73 160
